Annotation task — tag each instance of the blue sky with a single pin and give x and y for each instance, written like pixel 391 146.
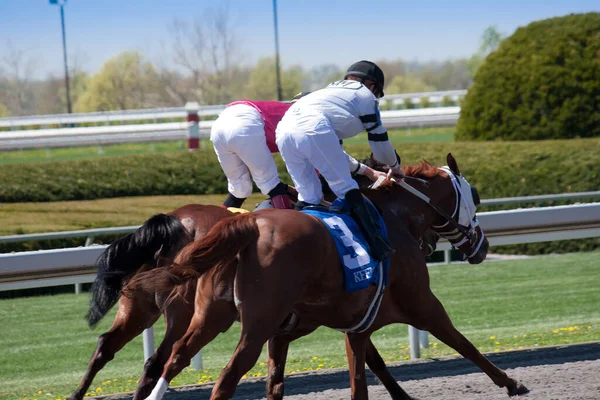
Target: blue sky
pixel 311 32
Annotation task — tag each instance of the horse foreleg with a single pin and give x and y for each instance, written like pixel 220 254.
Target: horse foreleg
pixel 378 367
pixel 178 316
pixel 355 351
pixel 277 351
pixel 131 319
pixel 206 324
pixel 438 323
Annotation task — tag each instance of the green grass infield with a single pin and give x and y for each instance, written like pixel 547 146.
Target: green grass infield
pixel 499 306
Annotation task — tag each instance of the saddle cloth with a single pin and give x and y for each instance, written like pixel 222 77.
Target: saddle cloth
pixel 360 269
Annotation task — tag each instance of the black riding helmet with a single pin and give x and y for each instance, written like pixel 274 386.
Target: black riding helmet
pixel 367 70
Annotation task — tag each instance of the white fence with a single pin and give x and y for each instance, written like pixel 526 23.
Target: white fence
pixel 150 125
pixel 160 132
pixel 155 114
pixel 67 266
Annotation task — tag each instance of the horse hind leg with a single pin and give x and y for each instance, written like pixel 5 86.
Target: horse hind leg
pixel 131 319
pixel 178 316
pixel 206 324
pixel 438 323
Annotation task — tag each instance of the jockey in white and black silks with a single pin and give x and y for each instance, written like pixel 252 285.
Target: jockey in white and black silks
pixel 308 138
pixel 243 137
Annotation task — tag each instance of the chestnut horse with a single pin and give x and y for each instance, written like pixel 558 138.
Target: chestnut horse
pixel 163 235
pixel 278 261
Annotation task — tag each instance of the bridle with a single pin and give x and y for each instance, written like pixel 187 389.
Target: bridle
pixel 460 233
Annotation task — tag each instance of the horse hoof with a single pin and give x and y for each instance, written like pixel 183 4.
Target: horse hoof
pixel 517 390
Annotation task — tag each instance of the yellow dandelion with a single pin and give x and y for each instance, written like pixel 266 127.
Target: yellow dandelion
pixel 570 329
pixel 321 365
pixel 589 327
pixel 315 358
pixel 407 357
pixel 496 350
pixel 262 364
pixel 520 347
pixel 40 391
pixel 496 342
pixel 204 376
pixel 129 380
pixel 98 389
pixel 115 380
pixel 492 337
pixel 555 331
pixel 244 376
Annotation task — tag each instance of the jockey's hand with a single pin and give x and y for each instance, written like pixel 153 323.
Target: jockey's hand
pixel 396 173
pixel 373 174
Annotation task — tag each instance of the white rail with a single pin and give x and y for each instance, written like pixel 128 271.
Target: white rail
pixel 68 266
pixel 160 132
pixel 48 267
pixel 156 114
pixel 90 234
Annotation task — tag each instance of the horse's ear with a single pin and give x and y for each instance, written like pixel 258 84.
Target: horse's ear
pixel 452 164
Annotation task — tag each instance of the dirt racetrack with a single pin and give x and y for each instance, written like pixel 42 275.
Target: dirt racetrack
pixel 552 373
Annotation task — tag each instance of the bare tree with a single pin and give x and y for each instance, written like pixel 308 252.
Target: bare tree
pixel 16 91
pixel 208 50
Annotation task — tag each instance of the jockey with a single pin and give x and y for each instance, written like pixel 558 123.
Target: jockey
pixel 308 138
pixel 243 137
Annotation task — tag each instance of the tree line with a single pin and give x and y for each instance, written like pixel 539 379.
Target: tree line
pixel 206 66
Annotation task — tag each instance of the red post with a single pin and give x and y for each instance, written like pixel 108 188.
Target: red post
pixel 193 120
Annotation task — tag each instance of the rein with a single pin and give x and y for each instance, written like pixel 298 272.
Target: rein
pixel 427 200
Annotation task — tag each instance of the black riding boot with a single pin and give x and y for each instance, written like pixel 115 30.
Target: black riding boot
pixel 380 248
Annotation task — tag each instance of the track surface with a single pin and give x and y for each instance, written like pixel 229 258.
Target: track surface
pixel 552 373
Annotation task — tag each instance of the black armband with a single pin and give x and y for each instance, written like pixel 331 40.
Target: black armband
pixel 377 137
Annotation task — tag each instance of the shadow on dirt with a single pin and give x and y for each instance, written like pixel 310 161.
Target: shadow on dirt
pixel 422 369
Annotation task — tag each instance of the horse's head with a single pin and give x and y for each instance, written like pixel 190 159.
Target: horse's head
pixel 450 201
pixel 457 221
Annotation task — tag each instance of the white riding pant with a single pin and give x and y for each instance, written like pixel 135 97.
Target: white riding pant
pixel 238 137
pixel 306 141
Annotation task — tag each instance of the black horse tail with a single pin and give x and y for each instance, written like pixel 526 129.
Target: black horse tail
pixel 120 261
pixel 217 250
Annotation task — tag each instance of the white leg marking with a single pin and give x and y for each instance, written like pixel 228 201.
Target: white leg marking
pixel 159 390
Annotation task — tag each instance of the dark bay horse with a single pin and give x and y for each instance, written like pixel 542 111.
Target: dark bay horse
pixel 277 261
pixel 163 235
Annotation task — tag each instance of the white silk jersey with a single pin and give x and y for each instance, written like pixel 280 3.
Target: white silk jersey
pixel 352 108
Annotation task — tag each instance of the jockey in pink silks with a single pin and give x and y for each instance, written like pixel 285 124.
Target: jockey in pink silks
pixel 243 137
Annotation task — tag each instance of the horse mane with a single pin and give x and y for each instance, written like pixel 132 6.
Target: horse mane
pixel 423 169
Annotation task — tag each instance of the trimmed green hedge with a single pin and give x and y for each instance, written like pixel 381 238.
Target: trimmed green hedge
pixel 543 82
pixel 499 169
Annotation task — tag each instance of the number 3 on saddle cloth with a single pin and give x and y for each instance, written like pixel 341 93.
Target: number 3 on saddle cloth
pixel 360 269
